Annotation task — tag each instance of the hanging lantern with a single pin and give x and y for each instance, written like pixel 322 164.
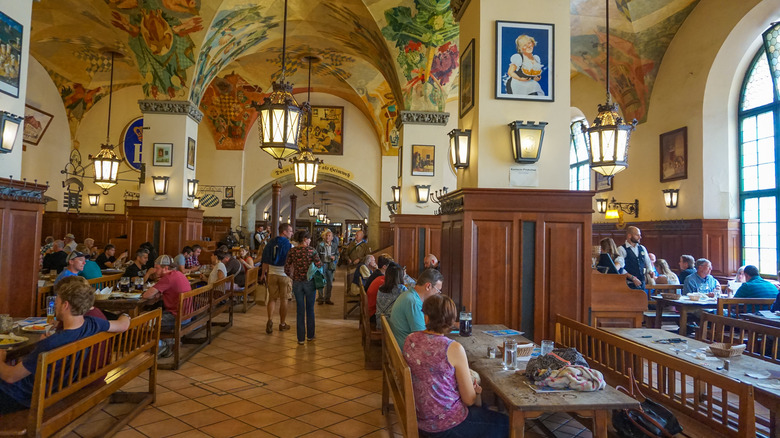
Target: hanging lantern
pixel 313 211
pixel 106 167
pixel 306 169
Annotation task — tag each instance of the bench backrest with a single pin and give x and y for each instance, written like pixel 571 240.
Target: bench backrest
pixel 251 279
pixel 62 372
pixel 106 281
pixel 761 340
pixel 735 306
pixel 222 289
pixel 727 407
pixel 41 299
pixel 398 381
pixel 194 303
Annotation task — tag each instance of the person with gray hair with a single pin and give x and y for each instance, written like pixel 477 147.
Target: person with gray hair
pixel 57 259
pixel 701 281
pixel 686 264
pixel 755 286
pixel 406 315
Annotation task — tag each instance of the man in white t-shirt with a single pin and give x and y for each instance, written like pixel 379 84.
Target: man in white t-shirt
pixel 279 284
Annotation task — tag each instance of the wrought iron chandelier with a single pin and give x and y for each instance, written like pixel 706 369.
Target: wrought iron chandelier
pixel 106 162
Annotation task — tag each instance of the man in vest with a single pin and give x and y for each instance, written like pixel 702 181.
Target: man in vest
pixel 637 261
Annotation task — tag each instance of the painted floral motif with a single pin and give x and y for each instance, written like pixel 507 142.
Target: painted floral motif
pixel 160 39
pixel 427 53
pixel 228 113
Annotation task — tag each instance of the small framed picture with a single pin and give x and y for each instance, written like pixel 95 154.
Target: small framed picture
pixel 11 37
pixel 423 160
pixel 109 207
pixel 603 183
pixel 674 155
pixel 190 153
pixel 467 79
pixel 400 161
pixel 524 61
pixel 228 192
pixel 35 124
pixel 163 154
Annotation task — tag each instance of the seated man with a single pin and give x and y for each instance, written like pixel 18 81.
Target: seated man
pixel 108 260
pixel 181 260
pixel 74 298
pixel 172 283
pixel 57 259
pixel 701 281
pixel 755 286
pixel 233 267
pixel 776 305
pixel 91 269
pixel 192 260
pixel 686 264
pixel 363 271
pixel 407 316
pixel 138 267
pixel 76 261
pixel 431 262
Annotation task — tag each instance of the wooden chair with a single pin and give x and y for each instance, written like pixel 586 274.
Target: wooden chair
pixel 734 306
pixel 222 301
pixel 250 288
pixel 397 383
pixel 370 337
pixel 193 316
pixel 106 281
pixel 63 399
pixel 761 340
pixel 351 301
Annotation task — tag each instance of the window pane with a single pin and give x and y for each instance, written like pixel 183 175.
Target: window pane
pixel 750 178
pixel 765 125
pixel 766 176
pixel 749 129
pixel 758 90
pixel 750 153
pixel 767 261
pixel 766 150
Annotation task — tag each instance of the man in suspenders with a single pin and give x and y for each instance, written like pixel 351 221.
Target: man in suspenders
pixel 637 261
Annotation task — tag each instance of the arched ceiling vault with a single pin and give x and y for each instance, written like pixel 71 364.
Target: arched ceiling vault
pixel 381 55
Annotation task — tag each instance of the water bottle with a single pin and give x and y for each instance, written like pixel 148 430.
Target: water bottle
pixel 510 354
pixel 465 324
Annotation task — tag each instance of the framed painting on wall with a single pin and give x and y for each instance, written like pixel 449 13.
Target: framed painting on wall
pixel 603 183
pixel 11 36
pixel 190 153
pixel 109 207
pixel 327 130
pixel 524 61
pixel 163 154
pixel 35 124
pixel 423 160
pixel 467 79
pixel 674 154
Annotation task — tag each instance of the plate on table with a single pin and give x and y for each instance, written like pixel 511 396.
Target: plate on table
pixel 36 328
pixel 7 341
pixel 111 271
pixel 132 296
pixel 760 374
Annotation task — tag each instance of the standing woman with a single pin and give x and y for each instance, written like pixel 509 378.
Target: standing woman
pixel 298 261
pixel 444 390
pixel 328 250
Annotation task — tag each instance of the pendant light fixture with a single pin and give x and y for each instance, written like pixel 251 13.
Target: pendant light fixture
pixel 305 165
pixel 106 162
pixel 608 137
pixel 280 114
pixel 314 210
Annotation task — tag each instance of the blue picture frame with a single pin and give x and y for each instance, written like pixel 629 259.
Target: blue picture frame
pixel 533 79
pixel 11 38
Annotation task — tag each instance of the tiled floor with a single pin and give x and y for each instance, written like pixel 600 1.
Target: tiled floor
pixel 247 383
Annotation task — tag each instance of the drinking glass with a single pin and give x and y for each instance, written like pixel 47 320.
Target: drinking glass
pixel 510 354
pixel 465 324
pixel 50 309
pixel 547 347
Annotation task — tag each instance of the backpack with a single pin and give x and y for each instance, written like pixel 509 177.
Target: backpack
pixel 274 254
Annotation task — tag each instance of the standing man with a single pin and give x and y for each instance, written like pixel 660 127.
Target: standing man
pixel 259 238
pixel 358 249
pixel 637 261
pixel 686 264
pixel 279 284
pixel 407 316
pixel 76 262
pixel 755 286
pixel 701 281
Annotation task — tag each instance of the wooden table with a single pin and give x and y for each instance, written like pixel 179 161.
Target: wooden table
pixel 760 319
pixel 685 305
pixel 17 351
pixel 738 366
pixel 132 307
pixel 525 403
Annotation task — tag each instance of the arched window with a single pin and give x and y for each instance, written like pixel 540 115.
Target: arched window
pixel 579 167
pixel 759 110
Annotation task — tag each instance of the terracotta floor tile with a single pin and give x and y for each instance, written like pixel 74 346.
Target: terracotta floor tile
pixel 351 428
pixel 168 398
pixel 349 392
pixel 215 400
pixel 129 433
pixel 322 418
pixel 290 428
pixel 191 434
pixel 263 418
pixel 326 385
pixel 257 433
pixel 295 408
pixel 183 407
pixel 149 415
pixel 373 400
pixel 350 409
pixel 300 392
pixel 327 372
pixel 193 392
pixel 374 417
pixel 280 384
pixel 270 400
pixel 320 434
pixel 227 428
pixel 203 418
pixel 239 408
pixel 164 428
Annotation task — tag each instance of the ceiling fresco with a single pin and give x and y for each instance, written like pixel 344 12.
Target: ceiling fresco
pixel 383 56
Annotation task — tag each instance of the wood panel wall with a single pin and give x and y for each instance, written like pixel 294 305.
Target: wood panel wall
pixel 518 257
pixel 217 228
pixel 101 227
pixel 20 232
pixel 717 240
pixel 385 234
pixel 415 236
pixel 167 228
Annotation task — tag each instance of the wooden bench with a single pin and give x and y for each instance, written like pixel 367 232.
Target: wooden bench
pixel 48 291
pixel 351 301
pixel 222 301
pixel 63 399
pixel 728 405
pixel 195 308
pixel 735 306
pixel 397 383
pixel 106 281
pixel 370 337
pixel 761 340
pixel 666 318
pixel 250 288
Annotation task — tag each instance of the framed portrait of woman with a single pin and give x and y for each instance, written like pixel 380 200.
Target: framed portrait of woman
pixel 525 61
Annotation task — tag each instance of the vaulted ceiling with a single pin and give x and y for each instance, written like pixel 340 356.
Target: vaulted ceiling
pixel 381 55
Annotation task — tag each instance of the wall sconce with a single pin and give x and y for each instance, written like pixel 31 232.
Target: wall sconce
pixel 266 215
pixel 615 209
pixel 423 192
pixel 192 188
pixel 396 193
pixel 196 203
pixel 601 205
pixel 9 128
pixel 460 147
pixel 670 197
pixel 160 184
pixel 527 140
pixel 94 199
pixel 392 207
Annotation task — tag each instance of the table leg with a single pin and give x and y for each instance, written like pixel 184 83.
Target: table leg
pixel 659 313
pixel 683 321
pixel 600 423
pixel 517 424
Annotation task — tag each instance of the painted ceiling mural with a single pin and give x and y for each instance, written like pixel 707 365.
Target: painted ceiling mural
pixel 383 56
pixel 640 33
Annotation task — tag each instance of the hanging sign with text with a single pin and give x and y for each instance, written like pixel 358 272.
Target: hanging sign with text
pixel 324 168
pixel 228 203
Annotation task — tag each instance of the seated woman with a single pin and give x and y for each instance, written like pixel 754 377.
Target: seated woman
pixel 609 252
pixel 444 391
pixel 734 284
pixel 665 274
pixel 390 291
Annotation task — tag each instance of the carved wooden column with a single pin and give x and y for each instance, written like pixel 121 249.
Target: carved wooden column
pixel 21 218
pixel 276 200
pixel 293 206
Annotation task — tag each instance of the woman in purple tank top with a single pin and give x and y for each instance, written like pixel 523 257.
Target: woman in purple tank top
pixel 444 390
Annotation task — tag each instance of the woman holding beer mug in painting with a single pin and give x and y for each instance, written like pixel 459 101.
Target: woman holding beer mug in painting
pixel 525 69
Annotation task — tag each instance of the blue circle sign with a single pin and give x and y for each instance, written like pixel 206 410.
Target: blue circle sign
pixel 132 140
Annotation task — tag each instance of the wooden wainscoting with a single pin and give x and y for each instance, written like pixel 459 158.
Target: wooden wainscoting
pixel 166 228
pixel 385 234
pixel 101 227
pixel 216 228
pixel 414 237
pixel 518 257
pixel 715 239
